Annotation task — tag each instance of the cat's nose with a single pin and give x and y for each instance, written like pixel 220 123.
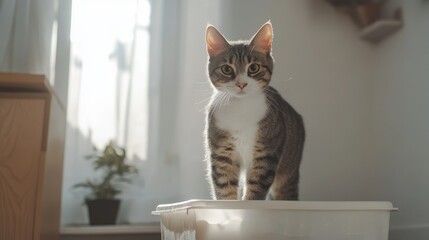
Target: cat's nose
pixel 241 85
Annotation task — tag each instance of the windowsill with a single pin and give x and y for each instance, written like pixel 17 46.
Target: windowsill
pixel 111 229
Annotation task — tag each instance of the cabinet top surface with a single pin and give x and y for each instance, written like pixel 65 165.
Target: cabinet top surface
pixel 22 82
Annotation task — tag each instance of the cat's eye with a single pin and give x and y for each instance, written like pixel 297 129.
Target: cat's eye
pixel 227 70
pixel 253 68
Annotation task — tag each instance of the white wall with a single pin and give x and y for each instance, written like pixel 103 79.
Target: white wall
pixel 400 123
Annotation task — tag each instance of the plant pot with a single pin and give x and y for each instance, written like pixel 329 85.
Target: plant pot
pixel 103 211
pixel 367 13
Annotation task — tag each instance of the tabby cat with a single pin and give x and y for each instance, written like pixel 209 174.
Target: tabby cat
pixel 254 138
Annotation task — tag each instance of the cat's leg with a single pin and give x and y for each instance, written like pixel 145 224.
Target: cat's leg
pixel 260 177
pixel 285 186
pixel 225 174
pixel 286 182
pixel 223 165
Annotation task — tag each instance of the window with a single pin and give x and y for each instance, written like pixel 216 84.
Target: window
pixel 108 88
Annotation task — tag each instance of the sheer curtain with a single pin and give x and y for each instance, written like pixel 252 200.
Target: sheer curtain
pixel 27 35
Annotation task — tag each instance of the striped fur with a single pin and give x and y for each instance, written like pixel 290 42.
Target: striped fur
pixel 254 138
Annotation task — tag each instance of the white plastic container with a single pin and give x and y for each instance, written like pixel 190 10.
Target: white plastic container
pixel 274 220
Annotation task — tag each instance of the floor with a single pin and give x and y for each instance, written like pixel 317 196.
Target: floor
pixel 151 236
pixel 112 232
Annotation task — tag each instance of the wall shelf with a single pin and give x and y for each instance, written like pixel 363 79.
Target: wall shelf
pixel 380 29
pixel 368 15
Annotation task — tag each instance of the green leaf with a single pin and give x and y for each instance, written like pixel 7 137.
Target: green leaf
pixel 112 162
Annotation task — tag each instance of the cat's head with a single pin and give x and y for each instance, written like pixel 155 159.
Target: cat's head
pixel 240 68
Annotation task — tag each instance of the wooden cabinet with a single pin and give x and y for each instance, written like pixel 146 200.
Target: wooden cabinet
pixel 32 133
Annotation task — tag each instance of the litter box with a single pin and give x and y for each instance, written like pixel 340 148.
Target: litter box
pixel 274 220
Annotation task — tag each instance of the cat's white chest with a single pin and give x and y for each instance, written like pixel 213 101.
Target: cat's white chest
pixel 240 117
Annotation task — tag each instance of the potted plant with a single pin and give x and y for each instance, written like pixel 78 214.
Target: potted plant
pixel 363 12
pixel 101 202
pixel 367 12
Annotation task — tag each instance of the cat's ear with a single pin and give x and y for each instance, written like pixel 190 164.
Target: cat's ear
pixel 215 41
pixel 263 39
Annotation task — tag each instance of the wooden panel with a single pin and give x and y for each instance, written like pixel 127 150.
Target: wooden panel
pixel 21 133
pixel 32 136
pixel 51 190
pixel 21 82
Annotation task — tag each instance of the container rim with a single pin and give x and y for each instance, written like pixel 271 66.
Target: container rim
pixel 276 205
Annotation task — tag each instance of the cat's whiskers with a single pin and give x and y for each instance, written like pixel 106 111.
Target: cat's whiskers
pixel 228 98
pixel 207 95
pixel 225 100
pixel 270 105
pixel 270 108
pixel 273 104
pixel 205 108
pixel 217 102
pixel 213 105
pixel 271 100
